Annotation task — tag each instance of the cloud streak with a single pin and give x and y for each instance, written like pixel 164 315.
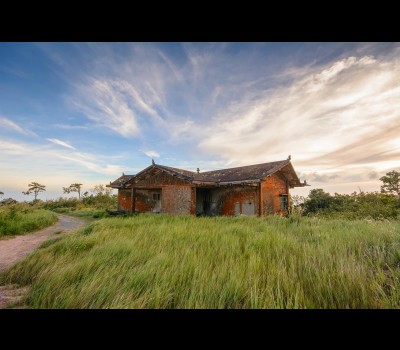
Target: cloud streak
pixel 61 143
pixel 9 124
pixel 47 163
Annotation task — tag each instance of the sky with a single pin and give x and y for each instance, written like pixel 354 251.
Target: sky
pixel 88 112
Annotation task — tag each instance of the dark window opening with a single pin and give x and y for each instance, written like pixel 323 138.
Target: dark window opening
pixel 283 199
pixel 156 196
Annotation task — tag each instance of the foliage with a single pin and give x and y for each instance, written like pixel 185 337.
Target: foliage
pixel 34 188
pixel 391 183
pixel 162 261
pixel 16 219
pixel 61 202
pixel 351 206
pixel 8 201
pixel 1 193
pixel 317 200
pixel 101 198
pixel 101 190
pixel 73 188
pixel 367 205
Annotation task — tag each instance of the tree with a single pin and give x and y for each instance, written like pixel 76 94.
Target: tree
pixel 391 183
pixel 317 200
pixel 73 188
pixel 1 193
pixel 35 188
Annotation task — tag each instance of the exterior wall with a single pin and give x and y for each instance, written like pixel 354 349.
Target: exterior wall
pixel 160 179
pixel 144 202
pixel 228 201
pixel 178 199
pixel 124 200
pixel 177 195
pixel 271 188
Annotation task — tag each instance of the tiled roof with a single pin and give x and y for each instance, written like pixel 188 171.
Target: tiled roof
pixel 239 174
pixel 121 181
pixel 243 173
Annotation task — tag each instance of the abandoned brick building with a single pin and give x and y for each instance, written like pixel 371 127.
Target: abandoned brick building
pixel 259 189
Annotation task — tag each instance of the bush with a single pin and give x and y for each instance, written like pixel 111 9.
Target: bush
pixel 360 205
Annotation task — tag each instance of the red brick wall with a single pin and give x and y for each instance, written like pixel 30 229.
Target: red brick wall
pixel 238 194
pixel 177 199
pixel 144 200
pixel 124 200
pixel 271 188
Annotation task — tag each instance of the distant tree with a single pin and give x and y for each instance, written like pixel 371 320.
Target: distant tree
pixel 1 193
pixel 73 188
pixel 391 183
pixel 35 188
pixel 101 190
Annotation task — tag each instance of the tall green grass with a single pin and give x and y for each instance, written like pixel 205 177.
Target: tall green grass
pixel 19 219
pixel 161 261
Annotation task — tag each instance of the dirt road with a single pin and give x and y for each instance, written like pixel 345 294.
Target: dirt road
pixel 14 249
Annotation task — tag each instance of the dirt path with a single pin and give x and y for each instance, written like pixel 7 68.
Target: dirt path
pixel 14 249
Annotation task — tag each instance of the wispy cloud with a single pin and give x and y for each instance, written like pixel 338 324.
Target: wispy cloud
pixel 151 153
pixel 334 109
pixel 9 124
pixel 341 114
pixel 61 143
pixel 71 127
pixel 106 104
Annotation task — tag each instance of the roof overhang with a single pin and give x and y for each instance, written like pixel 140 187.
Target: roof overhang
pixel 288 172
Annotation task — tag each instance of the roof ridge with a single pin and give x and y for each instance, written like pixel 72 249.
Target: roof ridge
pixel 244 166
pixel 170 167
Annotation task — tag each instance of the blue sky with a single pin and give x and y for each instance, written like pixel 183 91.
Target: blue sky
pixel 86 112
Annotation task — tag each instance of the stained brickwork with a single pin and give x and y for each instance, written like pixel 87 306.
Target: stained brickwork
pixel 271 188
pixel 177 200
pixel 250 190
pixel 124 199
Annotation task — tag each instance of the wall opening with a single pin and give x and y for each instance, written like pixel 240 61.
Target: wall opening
pixel 204 201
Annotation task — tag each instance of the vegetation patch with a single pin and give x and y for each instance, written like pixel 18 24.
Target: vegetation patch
pixel 161 261
pixel 17 219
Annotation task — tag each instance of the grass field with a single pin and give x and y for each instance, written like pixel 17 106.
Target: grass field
pixel 160 261
pixel 19 220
